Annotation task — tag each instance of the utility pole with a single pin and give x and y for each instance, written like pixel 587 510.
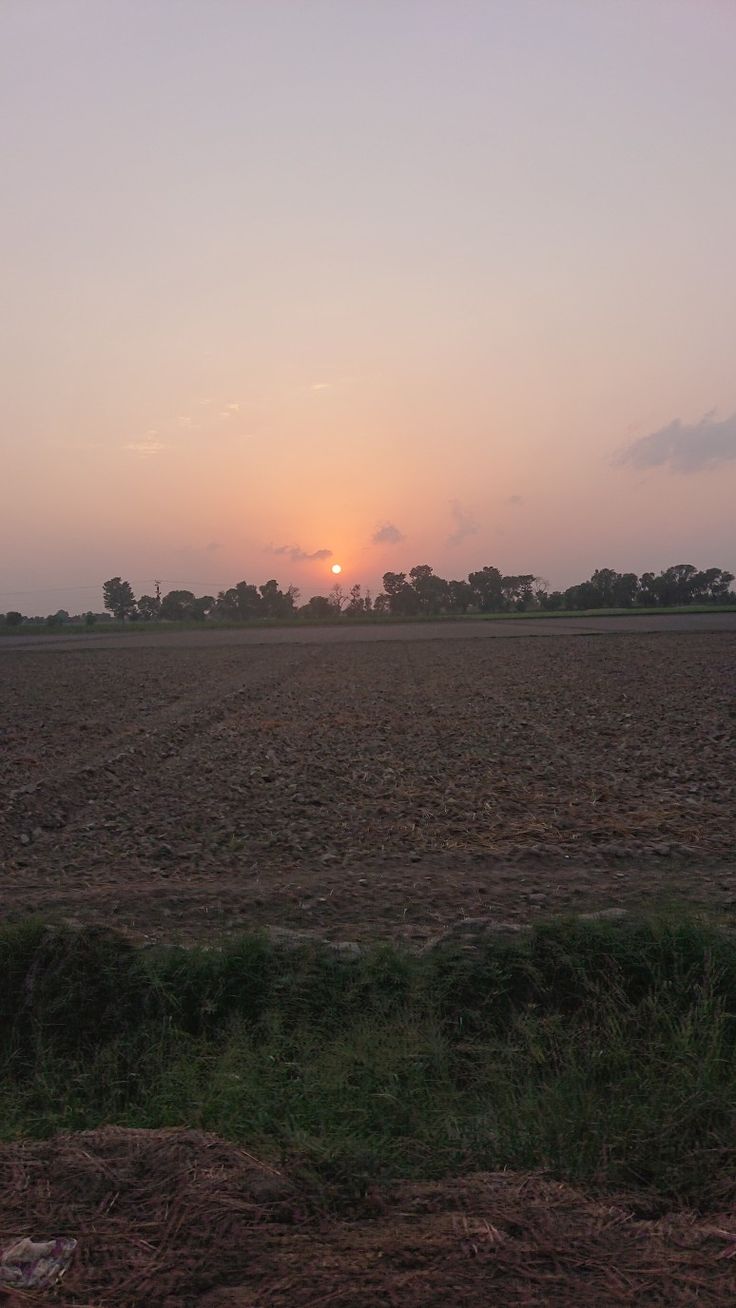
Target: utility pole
pixel 157 584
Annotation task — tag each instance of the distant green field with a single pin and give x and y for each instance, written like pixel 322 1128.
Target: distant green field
pixel 77 628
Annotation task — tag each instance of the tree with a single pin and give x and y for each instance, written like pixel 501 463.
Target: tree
pixel 718 586
pixel 421 580
pixel 317 607
pixel 249 602
pixel 381 604
pixel 648 590
pixel 202 607
pixel 403 600
pixel 13 618
pixel 432 591
pixel 243 602
pixel 119 598
pixel 518 591
pixel 149 607
pixel 607 589
pixel 487 589
pixel 552 601
pixel 177 606
pixel 683 584
pixel 625 590
pixel 583 596
pixel 90 619
pixel 604 581
pixel 393 583
pixel 276 603
pixel 226 604
pixel 338 598
pixel 356 603
pixel 461 596
pixel 676 583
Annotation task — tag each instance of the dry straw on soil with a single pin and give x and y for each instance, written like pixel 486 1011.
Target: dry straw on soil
pixel 174 1219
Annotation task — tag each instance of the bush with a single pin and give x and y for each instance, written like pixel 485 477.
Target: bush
pixel 599 1051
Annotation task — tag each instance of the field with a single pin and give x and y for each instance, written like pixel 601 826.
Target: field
pixel 445 1109
pixel 383 789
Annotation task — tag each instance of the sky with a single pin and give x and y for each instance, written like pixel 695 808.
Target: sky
pixel 379 282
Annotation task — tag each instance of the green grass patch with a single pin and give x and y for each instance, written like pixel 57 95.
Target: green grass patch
pixel 366 619
pixel 602 1052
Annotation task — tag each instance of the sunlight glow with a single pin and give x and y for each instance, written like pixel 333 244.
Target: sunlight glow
pixel 336 567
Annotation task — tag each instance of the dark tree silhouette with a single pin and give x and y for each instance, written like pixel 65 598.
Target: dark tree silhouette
pixel 487 587
pixel 433 592
pixel 423 592
pixel 277 603
pixel 460 596
pixel 119 598
pixel 317 607
pixel 403 600
pixel 356 603
pixel 177 606
pixel 149 607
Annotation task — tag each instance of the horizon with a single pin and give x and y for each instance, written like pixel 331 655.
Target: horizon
pixel 371 284
pixel 148 588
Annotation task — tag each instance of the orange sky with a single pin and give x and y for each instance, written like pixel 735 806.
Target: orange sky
pixel 284 275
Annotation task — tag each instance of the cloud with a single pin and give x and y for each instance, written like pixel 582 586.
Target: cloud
pixel 230 411
pixel 684 447
pixel 213 545
pixel 464 525
pixel 515 499
pixel 298 555
pixel 337 383
pixel 146 449
pixel 388 534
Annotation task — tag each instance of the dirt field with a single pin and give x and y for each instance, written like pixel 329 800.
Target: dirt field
pixel 187 788
pixel 380 788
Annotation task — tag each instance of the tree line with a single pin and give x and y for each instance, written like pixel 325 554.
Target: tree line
pixel 421 592
pixel 490 591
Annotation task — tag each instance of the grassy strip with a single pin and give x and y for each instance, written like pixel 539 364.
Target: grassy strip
pixel 604 1052
pixel 367 619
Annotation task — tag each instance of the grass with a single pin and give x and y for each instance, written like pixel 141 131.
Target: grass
pixel 216 624
pixel 602 1052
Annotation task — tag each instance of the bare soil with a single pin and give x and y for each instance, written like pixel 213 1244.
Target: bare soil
pixel 382 788
pixel 179 1219
pixel 389 788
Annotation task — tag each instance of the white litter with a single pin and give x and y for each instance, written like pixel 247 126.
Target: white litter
pixel 35 1264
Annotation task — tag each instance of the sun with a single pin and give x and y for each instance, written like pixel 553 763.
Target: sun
pixel 336 567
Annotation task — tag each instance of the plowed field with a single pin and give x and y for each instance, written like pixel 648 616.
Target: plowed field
pixel 366 788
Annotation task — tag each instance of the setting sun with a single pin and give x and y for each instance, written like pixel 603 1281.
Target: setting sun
pixel 336 567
